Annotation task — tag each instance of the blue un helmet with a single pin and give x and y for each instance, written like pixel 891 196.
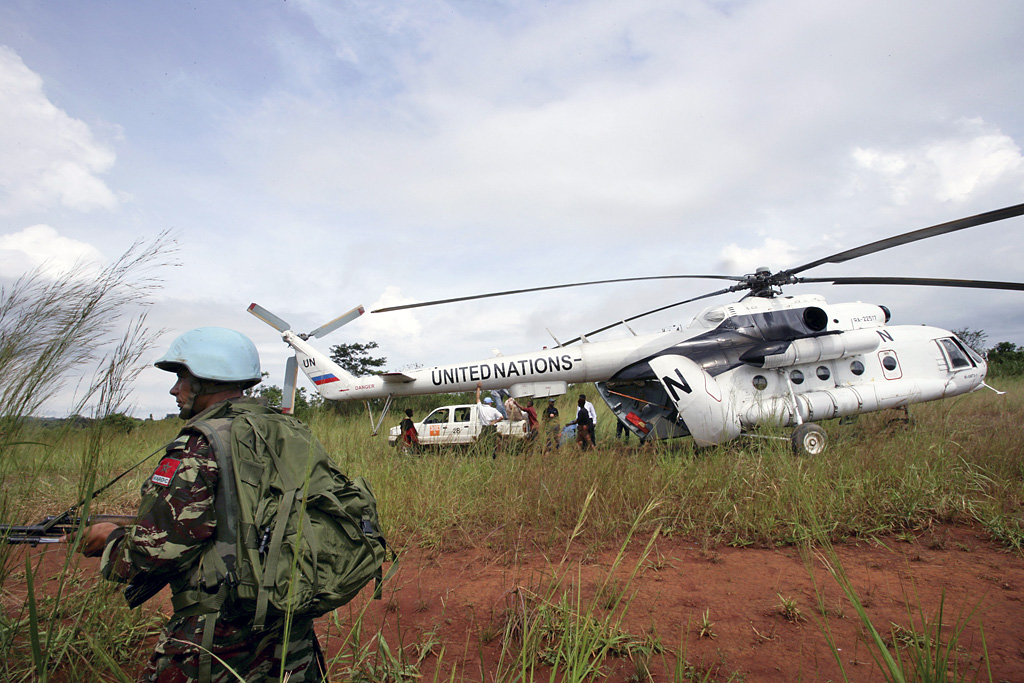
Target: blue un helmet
pixel 214 354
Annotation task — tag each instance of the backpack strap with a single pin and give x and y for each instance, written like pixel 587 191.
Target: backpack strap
pixel 227 495
pixel 219 562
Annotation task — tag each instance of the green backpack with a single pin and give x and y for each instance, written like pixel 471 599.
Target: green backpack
pixel 306 538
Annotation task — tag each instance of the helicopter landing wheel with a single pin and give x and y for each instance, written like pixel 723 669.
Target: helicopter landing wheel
pixel 809 439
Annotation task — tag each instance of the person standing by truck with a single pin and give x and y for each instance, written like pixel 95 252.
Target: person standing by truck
pixel 584 424
pixel 593 418
pixel 410 437
pixel 530 413
pixel 489 419
pixel 551 425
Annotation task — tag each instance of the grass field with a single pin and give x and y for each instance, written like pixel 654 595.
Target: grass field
pixel 959 461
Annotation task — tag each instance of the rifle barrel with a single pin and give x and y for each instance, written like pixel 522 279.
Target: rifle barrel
pixel 47 531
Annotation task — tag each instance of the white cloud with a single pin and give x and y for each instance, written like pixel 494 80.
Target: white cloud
pixel 400 328
pixel 46 156
pixel 974 158
pixel 774 253
pixel 41 245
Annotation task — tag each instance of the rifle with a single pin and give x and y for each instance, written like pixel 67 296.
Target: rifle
pixel 53 528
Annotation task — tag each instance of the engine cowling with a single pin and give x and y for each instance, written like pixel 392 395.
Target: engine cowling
pixel 812 349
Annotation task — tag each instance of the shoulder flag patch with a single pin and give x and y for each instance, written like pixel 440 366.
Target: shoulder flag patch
pixel 165 471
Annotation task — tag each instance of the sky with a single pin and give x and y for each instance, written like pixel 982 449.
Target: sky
pixel 314 155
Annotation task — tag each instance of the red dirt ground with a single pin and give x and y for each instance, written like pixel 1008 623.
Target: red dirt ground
pixel 463 598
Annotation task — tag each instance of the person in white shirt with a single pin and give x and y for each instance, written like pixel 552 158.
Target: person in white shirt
pixel 593 416
pixel 489 419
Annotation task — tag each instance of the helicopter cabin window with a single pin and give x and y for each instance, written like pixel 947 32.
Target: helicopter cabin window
pixel 462 414
pixel 796 377
pixel 439 416
pixel 971 353
pixel 857 368
pixel 889 363
pixel 760 382
pixel 823 373
pixel 957 358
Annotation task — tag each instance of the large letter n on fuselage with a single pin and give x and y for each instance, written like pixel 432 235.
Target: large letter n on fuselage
pixel 671 385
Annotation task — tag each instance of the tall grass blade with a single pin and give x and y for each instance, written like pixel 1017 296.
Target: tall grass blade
pixel 33 623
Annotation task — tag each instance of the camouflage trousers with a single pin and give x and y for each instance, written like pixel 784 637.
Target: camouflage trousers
pixel 253 655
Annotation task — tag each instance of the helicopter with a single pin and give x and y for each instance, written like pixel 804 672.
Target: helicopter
pixel 768 358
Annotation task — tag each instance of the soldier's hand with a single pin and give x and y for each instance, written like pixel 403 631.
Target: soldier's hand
pixel 94 538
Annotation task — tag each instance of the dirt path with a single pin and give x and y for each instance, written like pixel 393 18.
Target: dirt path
pixel 461 601
pixel 463 596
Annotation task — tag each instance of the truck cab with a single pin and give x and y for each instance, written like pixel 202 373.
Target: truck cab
pixel 456 424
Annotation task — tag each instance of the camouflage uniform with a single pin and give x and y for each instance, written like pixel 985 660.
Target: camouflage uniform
pixel 175 524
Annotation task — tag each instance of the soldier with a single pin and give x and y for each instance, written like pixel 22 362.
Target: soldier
pixel 176 523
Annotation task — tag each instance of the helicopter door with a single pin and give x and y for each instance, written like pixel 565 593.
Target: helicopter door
pixel 698 399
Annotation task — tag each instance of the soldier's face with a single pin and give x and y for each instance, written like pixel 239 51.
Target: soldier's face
pixel 182 390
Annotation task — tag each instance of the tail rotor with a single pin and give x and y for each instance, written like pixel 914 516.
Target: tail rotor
pixel 291 370
pixel 327 328
pixel 269 318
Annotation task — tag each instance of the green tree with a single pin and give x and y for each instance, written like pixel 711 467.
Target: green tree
pixel 356 358
pixel 120 422
pixel 1006 358
pixel 273 396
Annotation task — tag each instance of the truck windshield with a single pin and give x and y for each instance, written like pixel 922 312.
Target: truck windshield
pixel 439 416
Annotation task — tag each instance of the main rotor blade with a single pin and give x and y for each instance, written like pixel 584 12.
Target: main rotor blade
pixel 571 284
pixel 269 318
pixel 734 288
pixel 923 281
pixel 913 236
pixel 345 319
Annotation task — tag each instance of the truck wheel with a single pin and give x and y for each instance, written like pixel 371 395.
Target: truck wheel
pixel 809 439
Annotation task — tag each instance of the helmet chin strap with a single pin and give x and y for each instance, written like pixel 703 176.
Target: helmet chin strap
pixel 204 387
pixel 195 387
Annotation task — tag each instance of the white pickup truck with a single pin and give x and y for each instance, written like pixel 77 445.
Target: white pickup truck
pixel 454 425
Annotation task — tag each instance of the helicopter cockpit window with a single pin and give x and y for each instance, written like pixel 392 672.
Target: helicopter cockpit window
pixel 796 377
pixel 857 368
pixel 760 382
pixel 957 358
pixel 823 372
pixel 971 353
pixel 439 416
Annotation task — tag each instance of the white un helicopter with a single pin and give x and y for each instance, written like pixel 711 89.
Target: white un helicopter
pixel 767 358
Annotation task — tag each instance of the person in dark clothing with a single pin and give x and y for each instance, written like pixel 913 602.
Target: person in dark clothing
pixel 584 425
pixel 410 437
pixel 551 425
pixel 620 430
pixel 530 414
